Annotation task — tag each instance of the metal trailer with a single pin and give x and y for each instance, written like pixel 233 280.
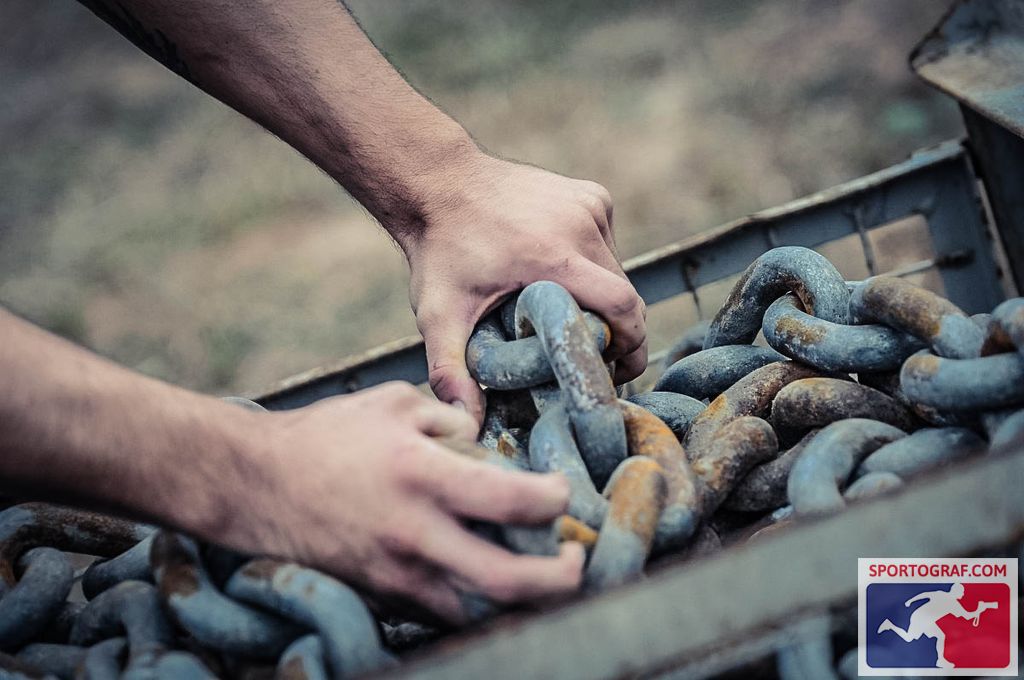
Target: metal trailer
pixel 727 611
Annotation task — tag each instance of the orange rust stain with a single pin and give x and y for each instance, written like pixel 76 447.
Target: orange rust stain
pixel 263 569
pixel 507 445
pixel 803 295
pixel 802 332
pixel 927 364
pixel 920 309
pixel 997 341
pixel 180 579
pixel 716 409
pixel 812 389
pixel 639 496
pixel 180 574
pixel 571 529
pixel 646 434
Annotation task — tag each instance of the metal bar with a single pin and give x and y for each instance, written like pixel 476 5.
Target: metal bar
pixel 956 222
pixel 998 156
pixel 976 54
pixel 679 615
pixel 937 183
pixel 399 360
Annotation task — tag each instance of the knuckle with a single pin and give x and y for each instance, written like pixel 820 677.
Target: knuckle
pixel 466 423
pixel 432 313
pixel 405 537
pixel 443 378
pixel 398 392
pixel 388 580
pixel 598 190
pixel 593 204
pixel 407 463
pixel 624 300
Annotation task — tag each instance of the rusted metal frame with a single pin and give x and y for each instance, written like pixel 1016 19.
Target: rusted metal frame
pixel 936 183
pixel 976 55
pixel 998 157
pixel 746 651
pixel 403 359
pixel 680 615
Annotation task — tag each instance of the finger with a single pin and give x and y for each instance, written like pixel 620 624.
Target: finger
pixel 479 567
pixel 478 490
pixel 615 300
pixel 436 419
pixel 602 211
pixel 446 337
pixel 631 366
pixel 598 213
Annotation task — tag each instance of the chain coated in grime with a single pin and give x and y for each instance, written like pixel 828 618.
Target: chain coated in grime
pixel 660 475
pixel 586 388
pixel 708 373
pixel 816 282
pixel 824 467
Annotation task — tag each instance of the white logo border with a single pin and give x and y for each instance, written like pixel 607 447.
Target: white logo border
pixel 863 564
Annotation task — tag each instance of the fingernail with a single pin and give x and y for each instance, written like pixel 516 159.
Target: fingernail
pixel 459 404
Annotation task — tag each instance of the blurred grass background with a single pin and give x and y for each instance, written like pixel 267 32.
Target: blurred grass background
pixel 143 219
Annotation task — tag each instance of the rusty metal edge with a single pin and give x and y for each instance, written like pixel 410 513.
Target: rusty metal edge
pixel 949 150
pixel 966 28
pixel 405 359
pixel 687 612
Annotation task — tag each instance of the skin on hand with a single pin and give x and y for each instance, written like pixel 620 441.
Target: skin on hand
pixel 473 227
pixel 358 486
pixel 491 228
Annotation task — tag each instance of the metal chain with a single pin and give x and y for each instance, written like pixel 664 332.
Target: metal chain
pixel 862 386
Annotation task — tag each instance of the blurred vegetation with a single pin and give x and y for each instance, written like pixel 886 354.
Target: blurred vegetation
pixel 149 222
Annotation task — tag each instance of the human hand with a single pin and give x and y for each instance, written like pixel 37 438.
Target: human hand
pixel 496 227
pixel 358 486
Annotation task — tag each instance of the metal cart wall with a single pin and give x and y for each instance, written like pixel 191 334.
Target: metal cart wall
pixel 712 614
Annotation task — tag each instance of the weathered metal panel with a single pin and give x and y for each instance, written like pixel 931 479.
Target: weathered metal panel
pixel 998 157
pixel 976 54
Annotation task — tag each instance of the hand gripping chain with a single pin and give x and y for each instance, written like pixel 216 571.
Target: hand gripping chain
pixel 863 386
pixel 819 419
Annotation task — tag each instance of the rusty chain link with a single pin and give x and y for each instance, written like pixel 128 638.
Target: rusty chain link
pixel 862 386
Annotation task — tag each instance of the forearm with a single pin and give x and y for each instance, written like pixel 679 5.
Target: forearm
pixel 77 428
pixel 306 71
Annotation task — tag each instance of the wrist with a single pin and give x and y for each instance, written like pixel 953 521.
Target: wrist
pixel 431 183
pixel 220 467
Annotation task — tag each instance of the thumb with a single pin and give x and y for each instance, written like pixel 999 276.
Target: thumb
pixel 445 341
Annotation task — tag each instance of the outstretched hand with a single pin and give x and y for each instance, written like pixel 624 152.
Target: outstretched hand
pixel 359 486
pixel 502 227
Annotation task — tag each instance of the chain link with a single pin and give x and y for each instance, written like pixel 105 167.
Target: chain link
pixel 862 386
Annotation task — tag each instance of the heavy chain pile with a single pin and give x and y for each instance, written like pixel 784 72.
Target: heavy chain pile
pixel 862 386
pixel 164 606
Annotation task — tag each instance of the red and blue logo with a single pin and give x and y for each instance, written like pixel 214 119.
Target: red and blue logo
pixel 938 617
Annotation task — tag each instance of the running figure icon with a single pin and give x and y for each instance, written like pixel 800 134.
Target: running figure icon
pixel 924 620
